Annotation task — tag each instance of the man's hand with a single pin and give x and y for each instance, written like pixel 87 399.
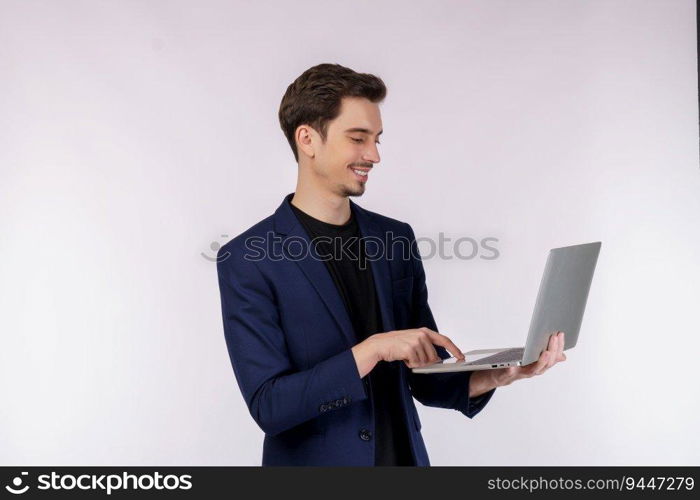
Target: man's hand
pixel 485 380
pixel 414 347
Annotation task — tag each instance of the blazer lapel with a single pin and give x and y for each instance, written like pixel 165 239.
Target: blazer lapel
pixel 379 264
pixel 287 224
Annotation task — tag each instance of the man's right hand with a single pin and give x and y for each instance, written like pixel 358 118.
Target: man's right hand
pixel 414 347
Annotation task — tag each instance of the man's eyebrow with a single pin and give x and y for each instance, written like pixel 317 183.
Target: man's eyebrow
pixel 363 130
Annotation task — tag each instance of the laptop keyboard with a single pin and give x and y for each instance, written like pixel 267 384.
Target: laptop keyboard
pixel 501 357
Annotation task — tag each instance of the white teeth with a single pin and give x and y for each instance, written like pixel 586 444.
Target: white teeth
pixel 359 172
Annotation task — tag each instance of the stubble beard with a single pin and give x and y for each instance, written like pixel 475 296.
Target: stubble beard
pixel 352 191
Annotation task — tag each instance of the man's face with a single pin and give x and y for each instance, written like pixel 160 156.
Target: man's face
pixel 343 163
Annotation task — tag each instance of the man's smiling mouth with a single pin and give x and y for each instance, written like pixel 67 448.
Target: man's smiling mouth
pixel 361 173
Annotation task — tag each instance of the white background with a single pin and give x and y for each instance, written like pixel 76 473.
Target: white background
pixel 133 134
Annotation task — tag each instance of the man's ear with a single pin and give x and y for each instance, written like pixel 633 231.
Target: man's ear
pixel 304 135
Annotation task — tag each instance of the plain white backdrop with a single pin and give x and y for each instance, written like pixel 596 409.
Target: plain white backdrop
pixel 136 136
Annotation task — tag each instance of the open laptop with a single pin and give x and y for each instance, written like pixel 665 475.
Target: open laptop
pixel 560 303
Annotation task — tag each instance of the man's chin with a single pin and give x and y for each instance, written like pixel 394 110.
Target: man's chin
pixel 353 191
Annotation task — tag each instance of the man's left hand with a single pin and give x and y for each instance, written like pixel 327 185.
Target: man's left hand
pixel 549 357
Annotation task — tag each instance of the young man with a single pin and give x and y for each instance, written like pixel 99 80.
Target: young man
pixel 322 330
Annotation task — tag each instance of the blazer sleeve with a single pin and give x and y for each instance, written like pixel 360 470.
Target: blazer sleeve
pixel 278 396
pixel 441 390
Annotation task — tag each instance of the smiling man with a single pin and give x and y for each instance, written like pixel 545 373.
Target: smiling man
pixel 322 339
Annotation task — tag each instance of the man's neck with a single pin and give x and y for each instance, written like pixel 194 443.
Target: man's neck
pixel 326 207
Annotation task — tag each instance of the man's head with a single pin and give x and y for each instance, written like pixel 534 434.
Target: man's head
pixel 330 116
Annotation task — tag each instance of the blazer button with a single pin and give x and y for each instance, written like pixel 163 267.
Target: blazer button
pixel 365 434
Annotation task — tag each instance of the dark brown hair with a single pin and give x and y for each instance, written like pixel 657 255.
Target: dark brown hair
pixel 314 98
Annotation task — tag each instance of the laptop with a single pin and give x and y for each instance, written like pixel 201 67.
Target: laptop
pixel 560 303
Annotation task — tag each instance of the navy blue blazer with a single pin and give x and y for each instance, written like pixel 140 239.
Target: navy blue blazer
pixel 289 337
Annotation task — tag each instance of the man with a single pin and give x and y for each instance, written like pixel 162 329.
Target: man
pixel 321 340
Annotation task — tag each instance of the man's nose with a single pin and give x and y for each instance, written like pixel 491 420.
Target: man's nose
pixel 372 155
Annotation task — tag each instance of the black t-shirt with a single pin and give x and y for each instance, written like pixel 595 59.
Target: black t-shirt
pixel 351 273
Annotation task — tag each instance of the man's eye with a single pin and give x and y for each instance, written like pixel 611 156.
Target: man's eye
pixel 360 140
